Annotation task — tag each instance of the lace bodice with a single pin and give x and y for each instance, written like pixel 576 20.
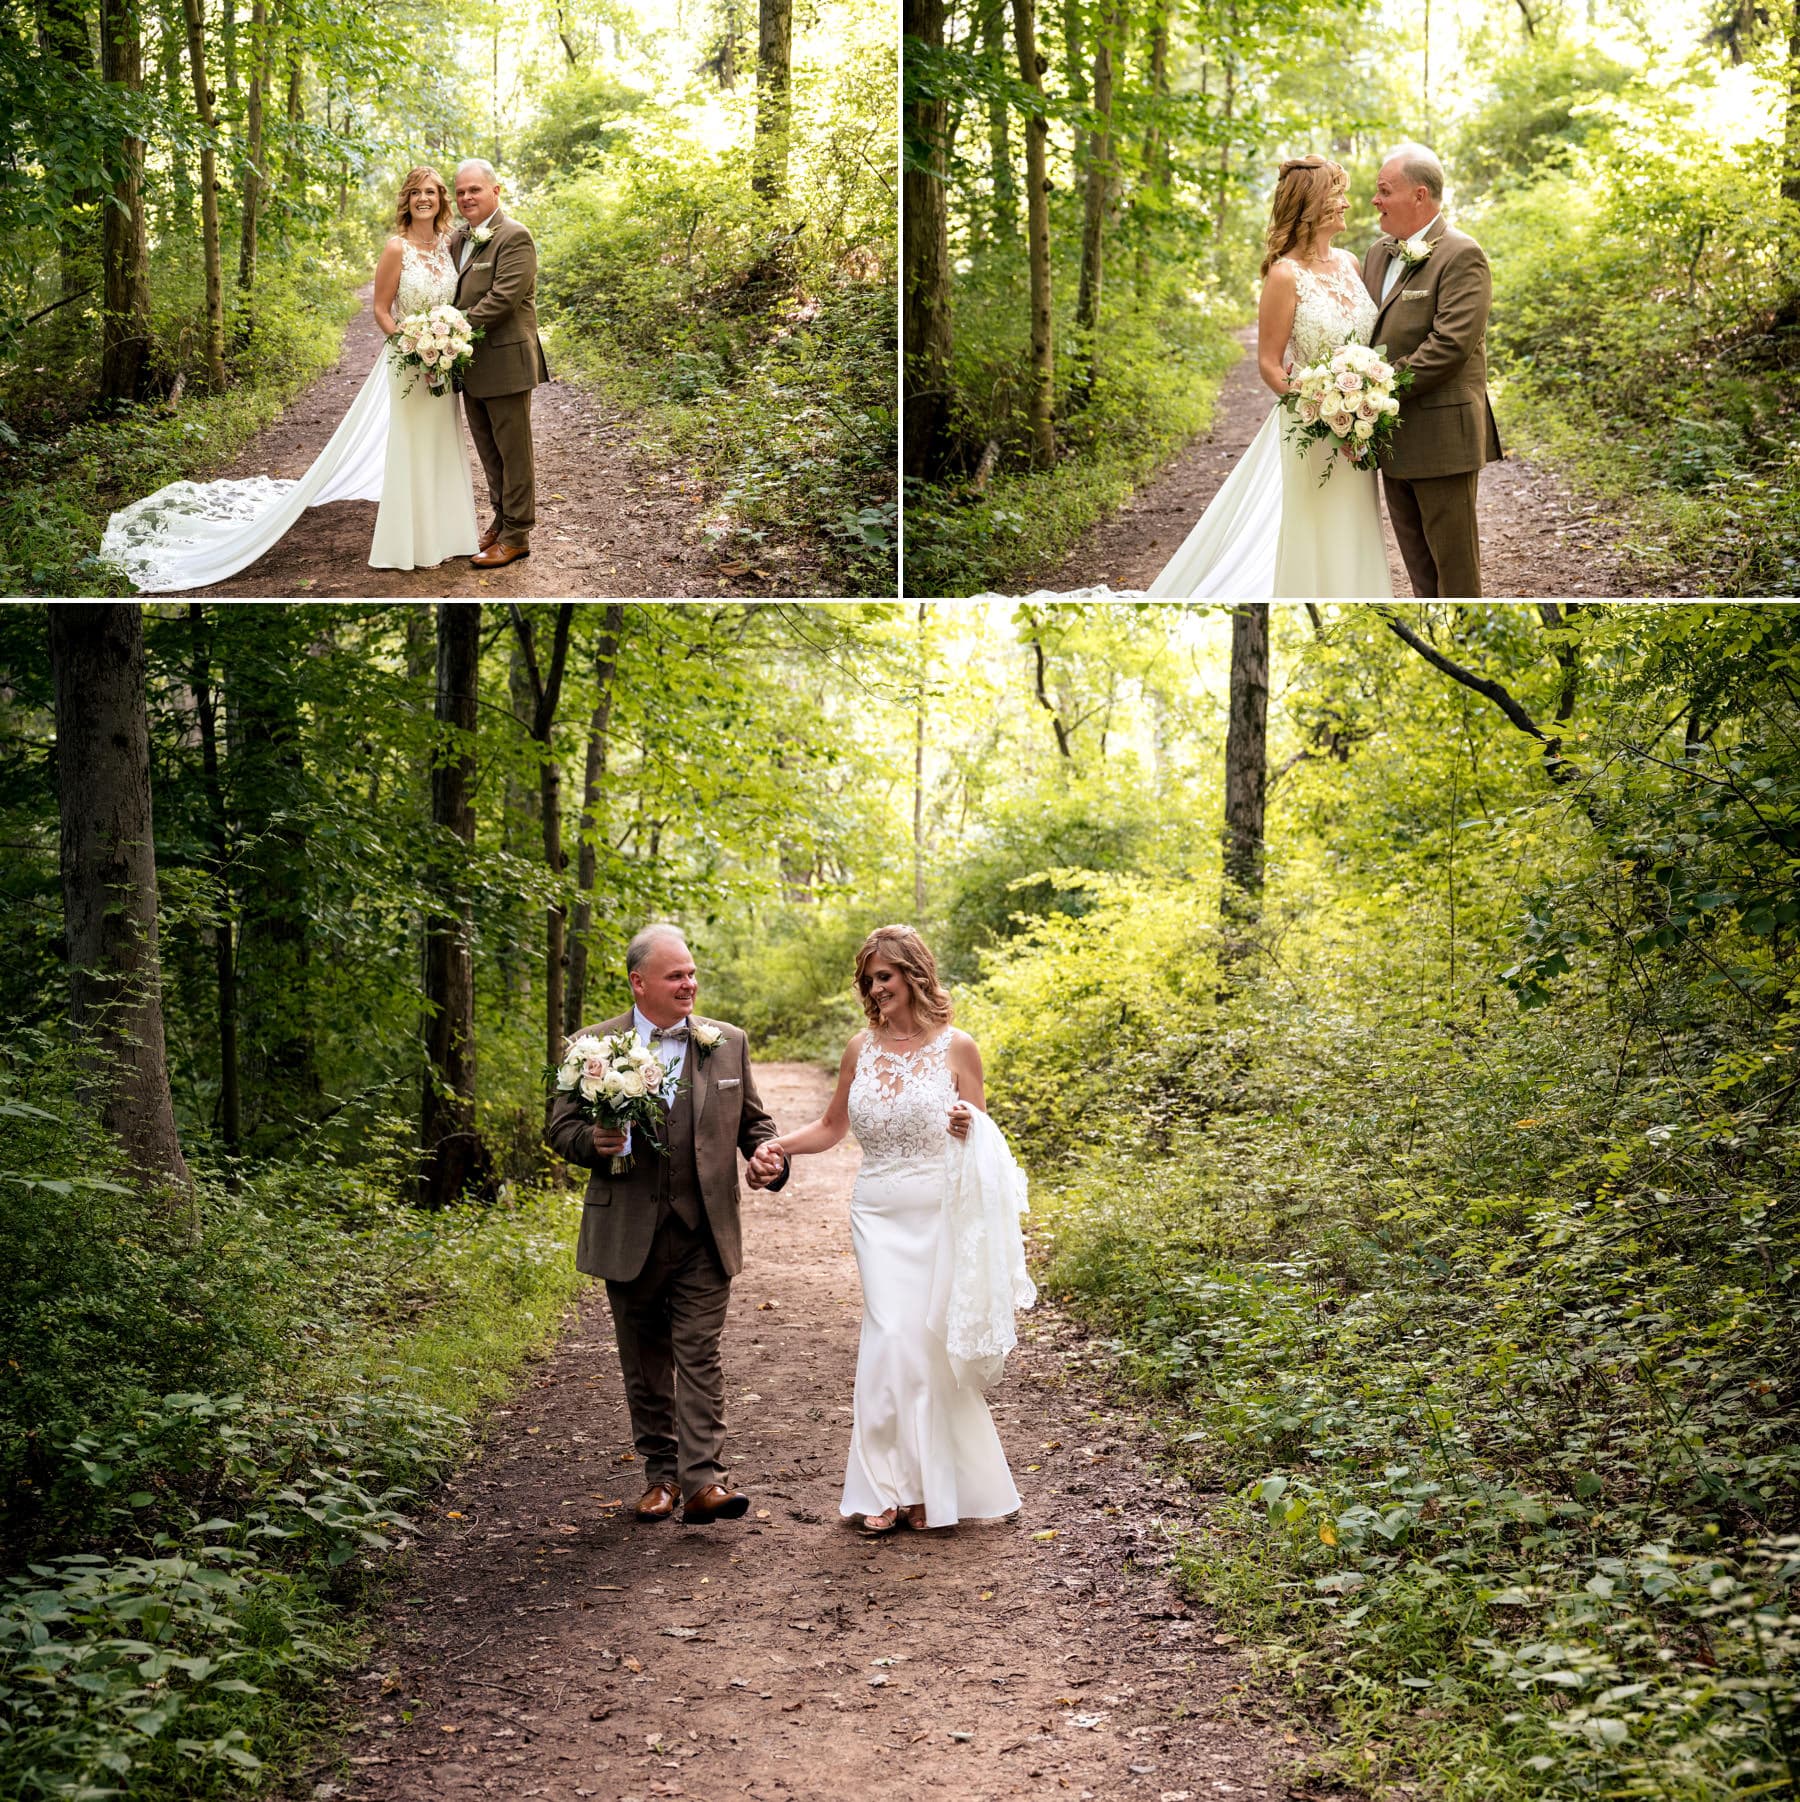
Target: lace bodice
pixel 900 1101
pixel 1331 309
pixel 427 279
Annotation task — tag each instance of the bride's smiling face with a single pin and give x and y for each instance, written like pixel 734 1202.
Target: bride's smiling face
pixel 423 203
pixel 889 990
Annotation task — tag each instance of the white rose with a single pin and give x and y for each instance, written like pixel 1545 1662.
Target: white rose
pixel 631 1084
pixel 591 1090
pixel 706 1035
pixel 1365 429
pixel 612 1084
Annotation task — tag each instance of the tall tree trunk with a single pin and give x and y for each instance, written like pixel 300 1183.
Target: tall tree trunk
pixel 253 145
pixel 1003 188
pixel 774 76
pixel 1041 399
pixel 1074 52
pixel 927 254
pixel 1229 66
pixel 174 98
pixel 454 1159
pixel 209 196
pixel 231 1123
pixel 1100 174
pixel 546 691
pixel 919 772
pixel 263 651
pixel 63 37
pixel 293 157
pixel 1154 190
pixel 606 664
pixel 124 242
pixel 1246 774
pixel 109 878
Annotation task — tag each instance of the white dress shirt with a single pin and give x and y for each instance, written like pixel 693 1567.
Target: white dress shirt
pixel 1397 264
pixel 468 249
pixel 673 1052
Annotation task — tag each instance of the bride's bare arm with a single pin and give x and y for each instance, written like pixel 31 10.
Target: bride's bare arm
pixel 971 1091
pixel 387 286
pixel 1275 326
pixel 831 1125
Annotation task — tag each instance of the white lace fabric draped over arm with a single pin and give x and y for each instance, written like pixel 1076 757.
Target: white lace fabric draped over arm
pixel 980 1280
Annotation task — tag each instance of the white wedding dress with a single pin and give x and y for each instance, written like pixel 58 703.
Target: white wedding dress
pixel 404 450
pixel 917 1434
pixel 1275 530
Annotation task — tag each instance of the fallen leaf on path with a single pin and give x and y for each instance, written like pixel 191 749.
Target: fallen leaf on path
pixel 534 1429
pixel 448 1727
pixel 987 1595
pixel 454 1514
pixel 792 1707
pixel 801 1626
pixel 764 1307
pixel 960 1734
pixel 762 1514
pixel 631 1664
pixel 1048 1533
pixel 680 1632
pixel 612 1586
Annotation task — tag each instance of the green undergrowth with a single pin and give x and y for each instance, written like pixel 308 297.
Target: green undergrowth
pixel 1473 1282
pixel 64 467
pixel 1158 388
pixel 211 1441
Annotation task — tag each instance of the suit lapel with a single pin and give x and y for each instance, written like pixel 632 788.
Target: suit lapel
pixel 1433 236
pixel 702 1067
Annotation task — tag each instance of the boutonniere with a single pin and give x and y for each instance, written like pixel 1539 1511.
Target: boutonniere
pixel 1414 250
pixel 479 234
pixel 706 1038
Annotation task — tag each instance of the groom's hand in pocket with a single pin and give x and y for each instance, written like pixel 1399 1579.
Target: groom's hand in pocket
pixel 609 1141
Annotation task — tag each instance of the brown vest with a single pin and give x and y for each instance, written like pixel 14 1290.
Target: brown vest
pixel 676 1175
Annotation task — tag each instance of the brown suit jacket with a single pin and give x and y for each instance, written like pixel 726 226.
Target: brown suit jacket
pixel 498 293
pixel 618 1218
pixel 1435 324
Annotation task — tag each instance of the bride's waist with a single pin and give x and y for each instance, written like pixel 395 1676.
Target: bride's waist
pixel 889 1172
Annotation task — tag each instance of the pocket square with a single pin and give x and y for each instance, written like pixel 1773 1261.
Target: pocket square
pixel 1415 293
pixel 731 1082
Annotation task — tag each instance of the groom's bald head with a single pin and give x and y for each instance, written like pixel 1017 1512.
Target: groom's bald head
pixel 1409 190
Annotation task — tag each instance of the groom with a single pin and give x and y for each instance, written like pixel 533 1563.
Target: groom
pixel 496 286
pixel 665 1233
pixel 1432 290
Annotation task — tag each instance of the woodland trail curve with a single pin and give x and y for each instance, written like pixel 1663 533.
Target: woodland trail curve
pixel 543 1644
pixel 612 522
pixel 1539 537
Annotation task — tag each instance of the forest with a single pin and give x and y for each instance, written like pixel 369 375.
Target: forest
pixel 1087 188
pixel 195 195
pixel 1395 1007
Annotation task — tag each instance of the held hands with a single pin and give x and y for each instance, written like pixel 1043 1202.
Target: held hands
pixel 766 1163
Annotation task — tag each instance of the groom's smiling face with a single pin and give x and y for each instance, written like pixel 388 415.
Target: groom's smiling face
pixel 1404 206
pixel 476 195
pixel 665 983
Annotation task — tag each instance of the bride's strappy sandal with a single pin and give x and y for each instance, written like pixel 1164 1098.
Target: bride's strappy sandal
pixel 912 1518
pixel 874 1526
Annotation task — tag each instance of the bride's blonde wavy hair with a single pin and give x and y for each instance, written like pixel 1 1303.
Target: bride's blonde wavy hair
pixel 907 953
pixel 415 180
pixel 1306 186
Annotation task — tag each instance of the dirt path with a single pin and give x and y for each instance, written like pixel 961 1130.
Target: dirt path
pixel 545 1644
pixel 1538 537
pixel 611 521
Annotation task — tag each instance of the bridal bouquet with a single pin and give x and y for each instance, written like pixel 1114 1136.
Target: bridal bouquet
pixel 438 345
pixel 617 1081
pixel 1351 401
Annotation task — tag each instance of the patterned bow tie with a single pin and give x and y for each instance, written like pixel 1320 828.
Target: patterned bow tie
pixel 667 1035
pixel 1391 246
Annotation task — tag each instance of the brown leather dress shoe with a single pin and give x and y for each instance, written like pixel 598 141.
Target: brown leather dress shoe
pixel 490 537
pixel 497 556
pixel 714 1502
pixel 657 1502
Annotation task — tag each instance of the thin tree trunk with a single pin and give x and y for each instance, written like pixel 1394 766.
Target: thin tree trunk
pixel 124 242
pixel 181 180
pixel 774 77
pixel 1041 399
pixel 109 879
pixel 919 775
pixel 209 196
pixel 606 664
pixel 454 1160
pixel 253 146
pixel 231 1125
pixel 546 691
pixel 1246 774
pixel 1155 183
pixel 1225 58
pixel 927 255
pixel 1074 52
pixel 1003 188
pixel 1099 184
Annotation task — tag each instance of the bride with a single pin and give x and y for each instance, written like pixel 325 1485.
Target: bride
pixel 399 444
pixel 923 1449
pixel 1275 528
